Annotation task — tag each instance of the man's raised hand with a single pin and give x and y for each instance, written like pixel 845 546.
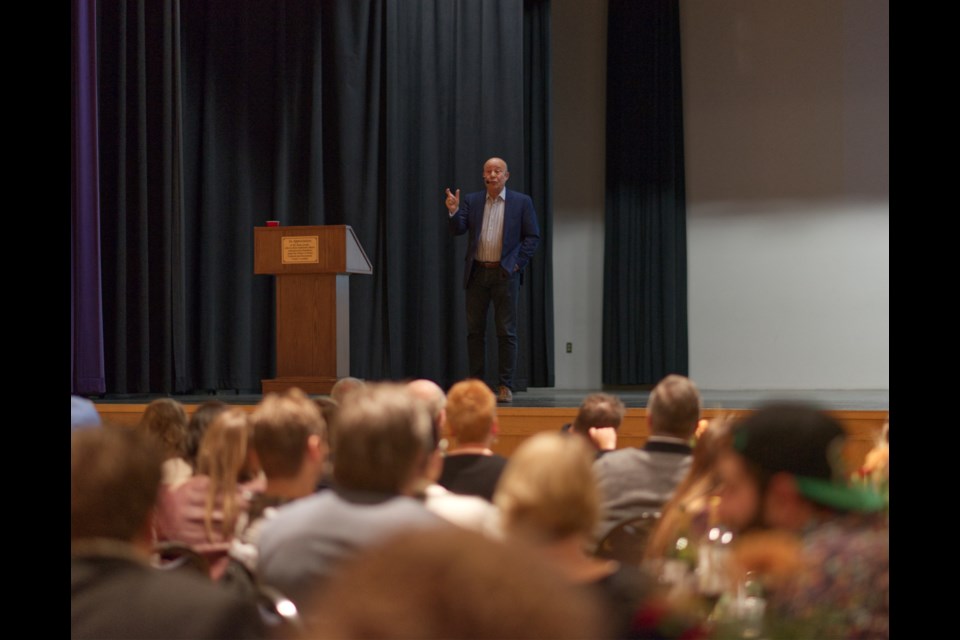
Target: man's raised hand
pixel 452 201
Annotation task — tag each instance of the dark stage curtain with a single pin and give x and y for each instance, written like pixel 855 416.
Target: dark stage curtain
pixel 220 115
pixel 86 321
pixel 142 204
pixel 538 154
pixel 645 272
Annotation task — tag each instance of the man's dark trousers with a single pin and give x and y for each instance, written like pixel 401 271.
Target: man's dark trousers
pixel 493 285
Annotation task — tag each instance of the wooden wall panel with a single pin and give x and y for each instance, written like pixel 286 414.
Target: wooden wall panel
pixel 517 424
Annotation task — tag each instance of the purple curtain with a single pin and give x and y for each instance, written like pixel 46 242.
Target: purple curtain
pixel 86 319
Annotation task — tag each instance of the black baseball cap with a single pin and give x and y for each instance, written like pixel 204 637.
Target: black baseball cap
pixel 806 442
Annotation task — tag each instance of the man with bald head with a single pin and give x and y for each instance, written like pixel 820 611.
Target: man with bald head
pixel 503 236
pixel 469 512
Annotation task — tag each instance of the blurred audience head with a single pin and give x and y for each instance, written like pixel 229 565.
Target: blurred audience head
pixel 435 401
pixel 674 407
pixel 344 386
pixel 115 477
pixel 471 412
pixel 328 408
pixel 382 439
pixel 83 414
pixel 711 442
pixel 166 420
pixel 225 457
pixel 197 425
pixel 785 466
pixel 548 490
pixel 225 445
pixel 694 492
pixel 599 410
pixel 453 583
pixel 289 431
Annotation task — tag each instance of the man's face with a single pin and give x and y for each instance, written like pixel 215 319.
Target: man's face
pixel 495 175
pixel 739 494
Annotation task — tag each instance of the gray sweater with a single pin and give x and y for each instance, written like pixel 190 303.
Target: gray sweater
pixel 634 480
pixel 308 538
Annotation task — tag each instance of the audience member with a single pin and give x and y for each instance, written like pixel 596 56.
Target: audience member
pixel 115 476
pixel 344 386
pixel 819 544
pixel 289 441
pixel 166 420
pixel 328 408
pixel 383 436
pixel 470 466
pixel 635 480
pixel 197 425
pixel 453 584
pixel 550 504
pixel 598 421
pixel 83 414
pixel 686 513
pixel 203 511
pixel 472 512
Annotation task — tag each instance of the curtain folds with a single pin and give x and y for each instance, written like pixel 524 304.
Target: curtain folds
pixel 141 194
pixel 217 116
pixel 87 375
pixel 538 158
pixel 645 272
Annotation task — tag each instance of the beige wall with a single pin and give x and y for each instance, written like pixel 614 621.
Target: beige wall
pixel 578 31
pixel 787 152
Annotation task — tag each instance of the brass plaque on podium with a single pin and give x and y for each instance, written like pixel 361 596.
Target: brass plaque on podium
pixel 300 250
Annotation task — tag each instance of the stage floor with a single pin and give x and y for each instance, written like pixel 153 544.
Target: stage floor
pixel 548 397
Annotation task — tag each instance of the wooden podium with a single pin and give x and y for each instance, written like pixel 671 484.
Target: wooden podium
pixel 311 265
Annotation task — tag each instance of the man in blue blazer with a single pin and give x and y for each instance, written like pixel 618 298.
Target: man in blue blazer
pixel 503 235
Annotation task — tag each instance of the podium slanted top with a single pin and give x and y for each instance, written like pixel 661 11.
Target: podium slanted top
pixel 308 249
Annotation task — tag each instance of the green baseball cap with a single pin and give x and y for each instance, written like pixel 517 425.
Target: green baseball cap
pixel 807 443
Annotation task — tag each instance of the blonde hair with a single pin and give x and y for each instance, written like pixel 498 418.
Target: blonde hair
pixel 548 489
pixel 223 458
pixel 692 494
pixel 471 410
